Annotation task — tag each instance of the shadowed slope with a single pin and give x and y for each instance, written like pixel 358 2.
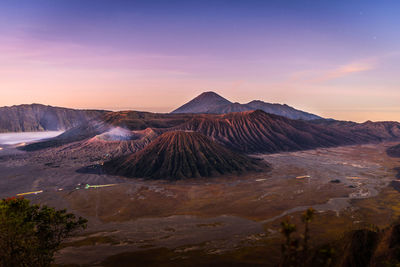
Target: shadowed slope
pixel 178 155
pixel 373 131
pixel 281 110
pixel 138 120
pixel 79 133
pixel 249 131
pixel 111 144
pixel 394 151
pixel 130 120
pixel 257 131
pixel 36 117
pixel 234 107
pixel 212 103
pixel 203 103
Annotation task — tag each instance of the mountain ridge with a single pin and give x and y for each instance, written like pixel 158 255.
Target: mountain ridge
pixel 211 103
pixel 260 132
pixel 248 132
pixel 39 117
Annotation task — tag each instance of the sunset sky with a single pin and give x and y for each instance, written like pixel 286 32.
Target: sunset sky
pixel 338 59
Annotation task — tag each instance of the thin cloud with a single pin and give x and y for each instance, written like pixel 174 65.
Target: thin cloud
pixel 312 77
pixel 345 70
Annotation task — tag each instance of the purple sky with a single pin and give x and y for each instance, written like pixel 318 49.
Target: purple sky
pixel 338 59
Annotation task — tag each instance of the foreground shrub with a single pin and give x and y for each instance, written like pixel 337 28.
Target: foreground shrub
pixel 30 234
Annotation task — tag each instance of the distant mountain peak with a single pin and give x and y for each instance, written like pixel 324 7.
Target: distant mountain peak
pixel 210 94
pixel 211 102
pixel 203 103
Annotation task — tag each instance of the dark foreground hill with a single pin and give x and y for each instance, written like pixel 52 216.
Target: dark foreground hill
pixel 36 117
pixel 212 103
pixel 177 155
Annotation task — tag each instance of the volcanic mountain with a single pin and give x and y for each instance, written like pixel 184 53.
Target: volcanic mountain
pixel 203 103
pixel 249 131
pixel 210 102
pixel 37 117
pixel 257 131
pixel 130 120
pixel 113 143
pixel 177 155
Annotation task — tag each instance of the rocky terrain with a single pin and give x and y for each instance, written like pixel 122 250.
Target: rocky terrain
pixel 229 220
pixel 129 120
pixel 210 102
pixel 177 155
pixel 281 110
pixel 112 143
pixel 137 120
pixel 378 131
pixel 120 133
pixel 394 151
pixel 36 117
pixel 257 131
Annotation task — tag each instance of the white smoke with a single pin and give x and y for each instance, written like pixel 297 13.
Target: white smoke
pixel 116 134
pixel 26 137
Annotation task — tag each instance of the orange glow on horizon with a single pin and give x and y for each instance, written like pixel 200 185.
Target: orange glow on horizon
pixel 78 77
